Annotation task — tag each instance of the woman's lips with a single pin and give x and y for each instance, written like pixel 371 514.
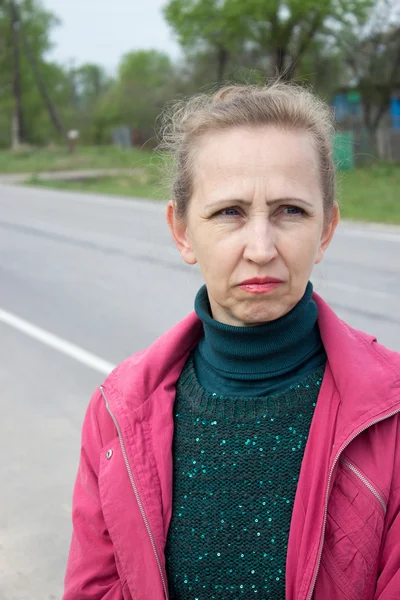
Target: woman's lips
pixel 259 288
pixel 260 285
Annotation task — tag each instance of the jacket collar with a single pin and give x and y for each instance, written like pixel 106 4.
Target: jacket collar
pixel 366 374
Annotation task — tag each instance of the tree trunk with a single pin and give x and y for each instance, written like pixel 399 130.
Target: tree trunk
pixel 279 62
pixel 279 56
pixel 15 135
pixel 17 127
pixel 222 61
pixel 372 122
pixel 366 102
pixel 382 110
pixel 372 138
pixel 39 79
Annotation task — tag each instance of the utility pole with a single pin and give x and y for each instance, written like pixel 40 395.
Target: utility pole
pixel 17 126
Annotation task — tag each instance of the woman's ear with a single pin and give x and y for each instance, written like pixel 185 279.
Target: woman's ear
pixel 179 231
pixel 328 232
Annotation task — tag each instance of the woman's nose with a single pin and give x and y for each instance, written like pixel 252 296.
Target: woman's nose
pixel 260 242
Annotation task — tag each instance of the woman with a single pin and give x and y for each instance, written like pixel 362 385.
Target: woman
pixel 252 450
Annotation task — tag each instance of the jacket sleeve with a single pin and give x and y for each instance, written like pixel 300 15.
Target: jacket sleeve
pixel 91 569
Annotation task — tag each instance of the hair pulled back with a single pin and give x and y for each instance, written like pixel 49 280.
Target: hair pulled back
pixel 287 106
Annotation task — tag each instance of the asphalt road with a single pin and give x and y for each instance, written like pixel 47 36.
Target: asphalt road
pixel 102 273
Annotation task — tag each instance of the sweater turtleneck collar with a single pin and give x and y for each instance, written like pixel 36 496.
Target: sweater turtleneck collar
pixel 261 351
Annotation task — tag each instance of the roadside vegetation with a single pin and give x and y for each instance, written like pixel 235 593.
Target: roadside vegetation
pixel 38 160
pixel 369 193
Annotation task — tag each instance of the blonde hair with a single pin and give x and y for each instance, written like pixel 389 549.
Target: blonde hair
pixel 283 105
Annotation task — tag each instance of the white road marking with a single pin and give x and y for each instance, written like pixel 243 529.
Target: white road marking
pixel 53 341
pixel 103 366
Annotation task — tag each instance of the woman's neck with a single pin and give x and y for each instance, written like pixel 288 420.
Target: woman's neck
pixel 260 351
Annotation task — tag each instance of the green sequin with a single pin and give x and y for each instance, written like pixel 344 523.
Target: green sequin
pixel 236 466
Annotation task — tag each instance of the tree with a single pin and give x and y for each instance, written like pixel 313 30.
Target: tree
pixel 286 30
pixel 146 79
pixel 214 25
pixel 145 83
pixel 281 30
pixel 39 79
pixel 91 82
pixel 34 35
pixel 18 129
pixel 372 55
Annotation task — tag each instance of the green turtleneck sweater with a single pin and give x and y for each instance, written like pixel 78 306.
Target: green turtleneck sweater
pixel 258 360
pixel 243 408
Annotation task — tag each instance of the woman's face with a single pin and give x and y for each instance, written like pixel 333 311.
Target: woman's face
pixel 256 214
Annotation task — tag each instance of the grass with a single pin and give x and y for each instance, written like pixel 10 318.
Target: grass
pixel 370 193
pixel 141 185
pixel 33 160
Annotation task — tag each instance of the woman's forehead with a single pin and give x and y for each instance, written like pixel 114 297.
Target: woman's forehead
pixel 240 158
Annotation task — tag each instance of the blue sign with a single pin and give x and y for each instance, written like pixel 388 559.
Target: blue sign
pixel 395 112
pixel 340 106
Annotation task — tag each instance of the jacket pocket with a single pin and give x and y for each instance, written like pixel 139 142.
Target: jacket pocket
pixel 354 526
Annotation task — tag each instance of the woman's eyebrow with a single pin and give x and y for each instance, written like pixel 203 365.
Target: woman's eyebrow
pixel 218 203
pixel 215 205
pixel 291 200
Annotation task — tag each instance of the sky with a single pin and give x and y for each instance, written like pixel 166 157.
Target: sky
pixel 101 31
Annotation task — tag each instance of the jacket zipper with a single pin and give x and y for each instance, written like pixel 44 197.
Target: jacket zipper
pixel 309 597
pixel 135 490
pixel 365 481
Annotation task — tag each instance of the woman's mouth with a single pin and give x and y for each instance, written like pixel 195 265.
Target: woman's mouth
pixel 259 285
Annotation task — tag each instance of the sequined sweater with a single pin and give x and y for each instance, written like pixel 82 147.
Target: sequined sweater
pixel 237 457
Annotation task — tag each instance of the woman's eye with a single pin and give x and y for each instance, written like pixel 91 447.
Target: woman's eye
pixel 228 212
pixel 293 210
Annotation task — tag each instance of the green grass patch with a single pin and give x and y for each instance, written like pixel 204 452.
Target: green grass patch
pixel 371 193
pixel 59 159
pixel 143 184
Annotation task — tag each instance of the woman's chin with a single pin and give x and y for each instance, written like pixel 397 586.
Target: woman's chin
pixel 257 315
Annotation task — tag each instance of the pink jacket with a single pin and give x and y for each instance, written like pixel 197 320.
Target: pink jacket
pixel 344 540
